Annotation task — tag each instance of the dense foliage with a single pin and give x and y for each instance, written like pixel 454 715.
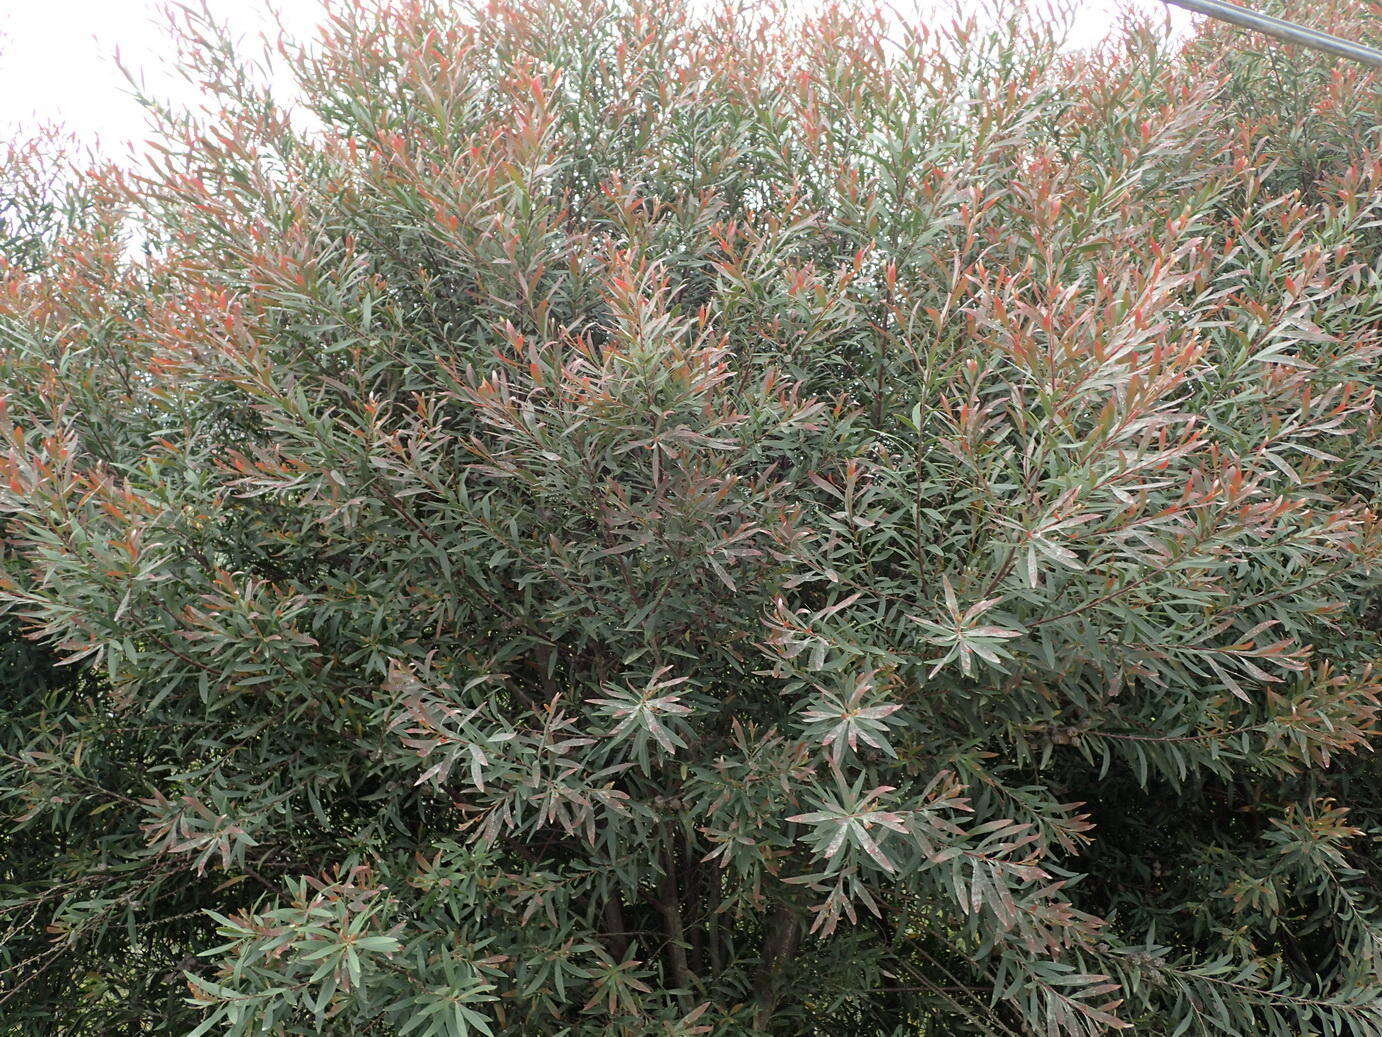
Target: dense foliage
pixel 591 519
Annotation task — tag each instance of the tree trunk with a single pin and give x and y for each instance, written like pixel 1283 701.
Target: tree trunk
pixel 779 945
pixel 669 904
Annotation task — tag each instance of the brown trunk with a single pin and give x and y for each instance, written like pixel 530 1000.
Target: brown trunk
pixel 695 910
pixel 616 934
pixel 717 964
pixel 669 904
pixel 779 945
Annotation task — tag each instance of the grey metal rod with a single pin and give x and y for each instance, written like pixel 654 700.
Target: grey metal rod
pixel 1279 28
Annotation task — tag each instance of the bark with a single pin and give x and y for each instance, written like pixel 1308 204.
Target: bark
pixel 717 964
pixel 669 905
pixel 780 940
pixel 616 934
pixel 695 910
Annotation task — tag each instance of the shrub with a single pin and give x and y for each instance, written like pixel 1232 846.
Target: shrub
pixel 595 519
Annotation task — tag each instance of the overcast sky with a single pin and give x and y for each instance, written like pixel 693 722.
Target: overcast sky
pixel 57 56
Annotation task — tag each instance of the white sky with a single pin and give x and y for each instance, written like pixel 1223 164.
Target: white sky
pixel 57 56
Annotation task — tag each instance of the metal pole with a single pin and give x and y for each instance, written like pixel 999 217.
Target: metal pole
pixel 1279 28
